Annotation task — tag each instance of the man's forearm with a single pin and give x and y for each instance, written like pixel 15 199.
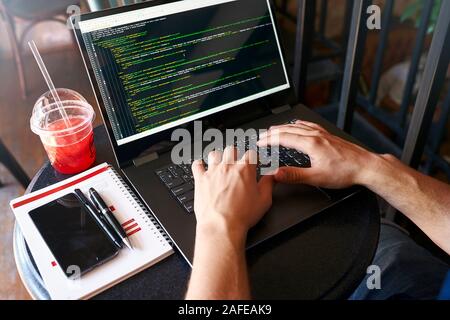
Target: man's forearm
pixel 422 199
pixel 220 270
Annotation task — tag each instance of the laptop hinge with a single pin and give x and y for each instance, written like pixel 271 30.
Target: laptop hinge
pixel 281 109
pixel 145 159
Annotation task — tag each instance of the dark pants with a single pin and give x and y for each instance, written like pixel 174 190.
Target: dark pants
pixel 408 271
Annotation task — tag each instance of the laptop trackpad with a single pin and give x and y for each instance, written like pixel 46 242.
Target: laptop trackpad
pixel 292 204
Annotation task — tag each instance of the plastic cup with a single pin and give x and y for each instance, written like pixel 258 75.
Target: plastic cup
pixel 69 144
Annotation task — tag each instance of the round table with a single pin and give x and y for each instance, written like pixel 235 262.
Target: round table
pixel 325 257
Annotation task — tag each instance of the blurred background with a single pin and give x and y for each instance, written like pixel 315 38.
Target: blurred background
pixel 392 69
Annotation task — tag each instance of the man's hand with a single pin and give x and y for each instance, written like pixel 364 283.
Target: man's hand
pixel 228 194
pixel 228 202
pixel 336 163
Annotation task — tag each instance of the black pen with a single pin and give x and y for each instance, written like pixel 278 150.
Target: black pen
pixel 96 215
pixel 109 216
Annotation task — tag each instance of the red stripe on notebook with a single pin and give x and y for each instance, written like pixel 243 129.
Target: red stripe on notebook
pixel 60 188
pixel 133 232
pixel 131 227
pixel 127 223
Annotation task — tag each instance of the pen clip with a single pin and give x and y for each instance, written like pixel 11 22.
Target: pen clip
pixel 92 199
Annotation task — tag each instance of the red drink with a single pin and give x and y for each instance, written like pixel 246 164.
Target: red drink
pixel 66 133
pixel 72 153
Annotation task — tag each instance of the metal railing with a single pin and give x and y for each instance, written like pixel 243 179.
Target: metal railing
pixel 399 122
pixel 429 92
pixel 396 122
pixel 335 49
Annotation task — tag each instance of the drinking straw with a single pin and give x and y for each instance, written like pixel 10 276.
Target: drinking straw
pixel 49 82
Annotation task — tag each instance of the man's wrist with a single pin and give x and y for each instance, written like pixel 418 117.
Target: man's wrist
pixel 378 170
pixel 220 229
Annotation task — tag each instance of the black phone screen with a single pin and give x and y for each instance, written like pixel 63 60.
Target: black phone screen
pixel 73 236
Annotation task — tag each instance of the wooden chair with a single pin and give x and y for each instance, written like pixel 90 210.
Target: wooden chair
pixel 33 12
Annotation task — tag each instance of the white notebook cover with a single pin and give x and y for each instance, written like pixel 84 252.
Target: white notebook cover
pixel 149 242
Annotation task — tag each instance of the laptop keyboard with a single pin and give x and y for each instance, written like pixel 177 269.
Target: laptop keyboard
pixel 179 179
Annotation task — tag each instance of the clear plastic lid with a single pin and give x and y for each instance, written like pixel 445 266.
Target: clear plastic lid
pixel 46 113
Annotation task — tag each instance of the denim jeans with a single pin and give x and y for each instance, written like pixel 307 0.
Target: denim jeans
pixel 408 271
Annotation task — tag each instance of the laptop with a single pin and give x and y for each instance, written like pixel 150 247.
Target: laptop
pixel 162 66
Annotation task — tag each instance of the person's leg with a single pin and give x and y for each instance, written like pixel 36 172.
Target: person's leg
pixel 408 271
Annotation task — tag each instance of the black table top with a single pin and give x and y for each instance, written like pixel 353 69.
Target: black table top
pixel 325 257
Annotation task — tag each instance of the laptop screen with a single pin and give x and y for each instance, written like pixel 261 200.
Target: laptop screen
pixel 163 66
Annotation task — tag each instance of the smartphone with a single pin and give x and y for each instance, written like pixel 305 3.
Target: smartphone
pixel 73 236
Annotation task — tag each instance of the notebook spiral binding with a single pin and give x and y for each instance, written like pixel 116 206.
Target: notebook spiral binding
pixel 140 207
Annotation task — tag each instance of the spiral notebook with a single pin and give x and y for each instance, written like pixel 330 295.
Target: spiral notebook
pixel 150 242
